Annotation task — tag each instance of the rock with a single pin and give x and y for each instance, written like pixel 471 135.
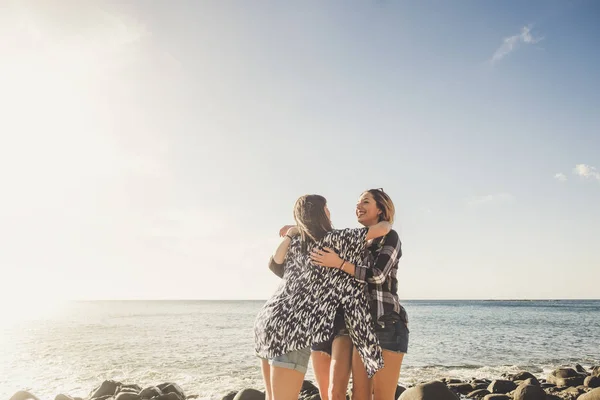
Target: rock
pixel 107 388
pixel 529 392
pixel 596 371
pixel 502 386
pixel 23 395
pixel 150 392
pixel 497 396
pixel 169 396
pixel 566 377
pixel 192 396
pixel 480 384
pixel 107 397
pixel 521 376
pixel 531 381
pixel 478 394
pixel 250 394
pixel 462 388
pixel 63 397
pixel 399 391
pixel 434 390
pixel 449 381
pixel 591 395
pixel 580 369
pixel 229 396
pixel 545 385
pixel 132 388
pixel 592 381
pixel 308 389
pixel 172 388
pixel 128 396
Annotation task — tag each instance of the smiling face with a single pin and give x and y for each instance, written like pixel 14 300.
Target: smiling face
pixel 367 211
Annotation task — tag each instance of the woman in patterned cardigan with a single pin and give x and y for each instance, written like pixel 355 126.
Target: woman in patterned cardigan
pixel 333 359
pixel 301 312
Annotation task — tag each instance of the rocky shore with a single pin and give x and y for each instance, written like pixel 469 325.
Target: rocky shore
pixel 575 383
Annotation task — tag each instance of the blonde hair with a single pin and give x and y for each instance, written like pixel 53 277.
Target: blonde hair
pixel 384 204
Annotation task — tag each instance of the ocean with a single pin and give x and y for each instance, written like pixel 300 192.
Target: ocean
pixel 207 346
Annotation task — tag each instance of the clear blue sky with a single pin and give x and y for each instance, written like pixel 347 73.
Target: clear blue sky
pixel 153 149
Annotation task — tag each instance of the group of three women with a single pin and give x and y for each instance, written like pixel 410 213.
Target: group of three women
pixel 338 299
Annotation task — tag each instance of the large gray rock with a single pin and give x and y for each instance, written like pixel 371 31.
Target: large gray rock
pixel 170 387
pixel 107 388
pixel 229 396
pixel 399 391
pixel 128 396
pixel 434 390
pixel 521 376
pixel 249 394
pixel 566 377
pixel 462 388
pixel 592 395
pixel 23 395
pixel 478 394
pixel 150 392
pixel 502 386
pixel 592 381
pixel 529 392
pixel 497 396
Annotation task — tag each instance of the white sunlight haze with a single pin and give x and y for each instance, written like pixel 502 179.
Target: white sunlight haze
pixel 153 150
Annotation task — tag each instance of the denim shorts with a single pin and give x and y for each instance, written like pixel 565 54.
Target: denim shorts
pixel 296 360
pixel 392 336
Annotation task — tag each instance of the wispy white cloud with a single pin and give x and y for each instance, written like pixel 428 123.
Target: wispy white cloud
pixel 495 198
pixel 511 43
pixel 560 177
pixel 587 171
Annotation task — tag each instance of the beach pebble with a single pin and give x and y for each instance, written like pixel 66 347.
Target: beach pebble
pixel 592 395
pixel 592 381
pixel 478 394
pixel 23 395
pixel 521 376
pixel 434 390
pixel 399 391
pixel 566 377
pixel 249 394
pixel 128 396
pixel 170 387
pixel 497 396
pixel 529 392
pixel 107 388
pixel 230 395
pixel 502 386
pixel 150 392
pixel 580 369
pixel 132 388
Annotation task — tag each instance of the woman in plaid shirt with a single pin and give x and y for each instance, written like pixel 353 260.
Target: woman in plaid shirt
pixel 333 360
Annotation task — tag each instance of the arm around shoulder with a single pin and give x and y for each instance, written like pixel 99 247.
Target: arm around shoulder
pixel 379 229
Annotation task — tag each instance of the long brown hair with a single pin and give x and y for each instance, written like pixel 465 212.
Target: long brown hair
pixel 311 220
pixel 384 204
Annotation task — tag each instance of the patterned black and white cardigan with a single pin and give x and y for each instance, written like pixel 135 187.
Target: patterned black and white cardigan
pixel 302 310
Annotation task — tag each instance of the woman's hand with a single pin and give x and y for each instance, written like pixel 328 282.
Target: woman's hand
pixel 283 231
pixel 326 258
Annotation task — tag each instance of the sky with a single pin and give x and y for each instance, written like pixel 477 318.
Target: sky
pixel 153 149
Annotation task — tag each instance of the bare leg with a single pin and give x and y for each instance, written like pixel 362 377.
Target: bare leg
pixel 285 383
pixel 362 386
pixel 341 364
pixel 385 380
pixel 321 363
pixel 266 373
